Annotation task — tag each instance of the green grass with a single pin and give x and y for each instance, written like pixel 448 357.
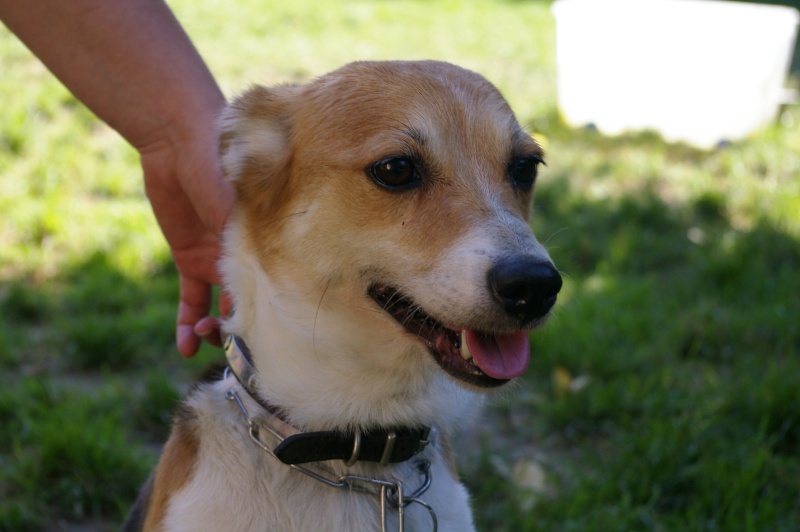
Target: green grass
pixel 664 394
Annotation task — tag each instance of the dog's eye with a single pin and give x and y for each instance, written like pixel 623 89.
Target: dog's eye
pixel 523 171
pixel 397 173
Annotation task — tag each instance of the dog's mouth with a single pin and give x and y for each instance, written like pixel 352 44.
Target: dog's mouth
pixel 479 358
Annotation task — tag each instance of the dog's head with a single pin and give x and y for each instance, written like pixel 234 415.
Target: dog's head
pixel 381 231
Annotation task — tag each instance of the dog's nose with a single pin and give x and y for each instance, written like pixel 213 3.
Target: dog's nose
pixel 526 287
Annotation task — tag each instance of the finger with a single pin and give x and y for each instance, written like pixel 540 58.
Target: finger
pixel 209 329
pixel 187 341
pixel 194 305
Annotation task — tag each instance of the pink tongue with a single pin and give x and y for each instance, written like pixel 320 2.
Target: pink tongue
pixel 500 356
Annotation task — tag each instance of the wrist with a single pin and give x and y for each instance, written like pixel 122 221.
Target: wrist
pixel 180 122
pixel 180 161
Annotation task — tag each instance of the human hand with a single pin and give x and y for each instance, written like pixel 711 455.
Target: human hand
pixel 191 201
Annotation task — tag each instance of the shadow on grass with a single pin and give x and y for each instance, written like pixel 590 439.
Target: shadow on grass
pixel 91 317
pixel 88 384
pixel 686 331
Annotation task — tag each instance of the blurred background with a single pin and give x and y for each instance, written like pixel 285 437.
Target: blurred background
pixel 664 394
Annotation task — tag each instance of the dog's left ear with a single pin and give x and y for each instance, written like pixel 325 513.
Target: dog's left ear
pixel 255 145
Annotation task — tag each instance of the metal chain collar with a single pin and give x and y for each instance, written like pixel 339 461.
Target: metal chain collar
pixel 389 492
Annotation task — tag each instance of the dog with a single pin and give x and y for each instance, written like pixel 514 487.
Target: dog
pixel 384 277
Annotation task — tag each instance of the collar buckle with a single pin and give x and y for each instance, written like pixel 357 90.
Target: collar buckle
pixel 356 450
pixel 388 447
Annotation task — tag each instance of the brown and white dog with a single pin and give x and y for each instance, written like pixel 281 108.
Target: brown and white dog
pixel 383 273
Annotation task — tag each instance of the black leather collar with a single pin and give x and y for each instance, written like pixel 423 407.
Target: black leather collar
pixel 381 445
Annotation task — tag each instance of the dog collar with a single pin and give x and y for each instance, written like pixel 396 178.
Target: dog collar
pixel 382 445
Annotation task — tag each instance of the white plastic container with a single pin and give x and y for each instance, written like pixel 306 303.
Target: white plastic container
pixel 697 71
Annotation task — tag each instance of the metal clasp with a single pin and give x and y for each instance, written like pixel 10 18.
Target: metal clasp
pixel 425 440
pixel 391 439
pixel 356 450
pixel 393 494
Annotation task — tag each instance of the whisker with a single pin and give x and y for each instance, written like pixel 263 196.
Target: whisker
pixel 549 238
pixel 316 315
pixel 422 325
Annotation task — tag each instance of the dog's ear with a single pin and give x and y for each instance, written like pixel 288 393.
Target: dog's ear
pixel 255 133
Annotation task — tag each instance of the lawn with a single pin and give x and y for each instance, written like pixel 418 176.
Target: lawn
pixel 664 395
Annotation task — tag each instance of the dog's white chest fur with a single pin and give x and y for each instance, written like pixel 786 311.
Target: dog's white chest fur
pixel 238 486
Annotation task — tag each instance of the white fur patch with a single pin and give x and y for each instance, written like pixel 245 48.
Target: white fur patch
pixel 263 138
pixel 233 473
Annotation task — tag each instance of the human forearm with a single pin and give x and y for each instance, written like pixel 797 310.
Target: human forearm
pixel 129 61
pixel 132 64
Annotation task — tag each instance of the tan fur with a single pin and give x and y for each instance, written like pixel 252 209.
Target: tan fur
pixel 175 468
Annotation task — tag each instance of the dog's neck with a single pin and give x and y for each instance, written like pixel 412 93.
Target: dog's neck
pixel 321 366
pixel 384 446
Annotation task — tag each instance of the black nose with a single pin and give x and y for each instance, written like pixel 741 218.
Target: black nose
pixel 526 287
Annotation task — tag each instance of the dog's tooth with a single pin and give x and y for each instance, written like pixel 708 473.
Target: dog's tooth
pixel 464 350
